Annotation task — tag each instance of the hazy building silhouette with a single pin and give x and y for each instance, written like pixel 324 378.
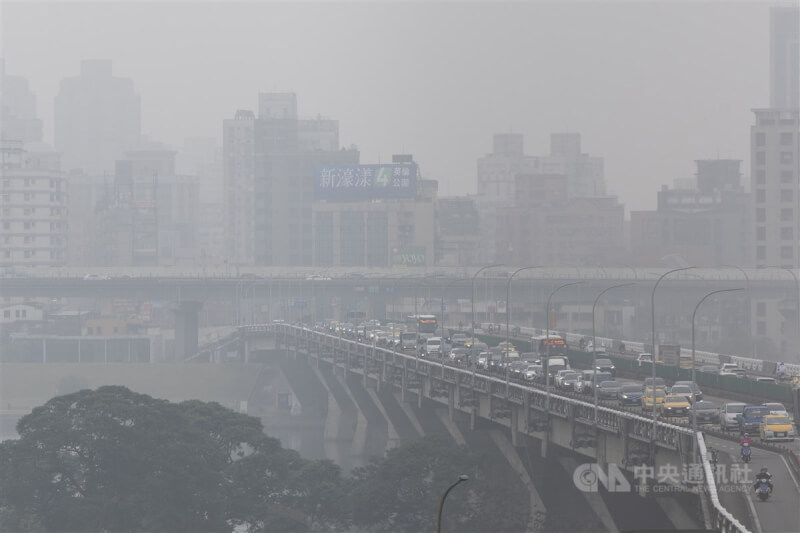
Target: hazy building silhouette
pixel 97 118
pixel 702 221
pixel 268 169
pixel 33 206
pixel 784 53
pixel 18 120
pixel 457 232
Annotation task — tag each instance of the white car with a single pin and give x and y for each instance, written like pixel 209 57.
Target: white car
pixel 776 408
pixel 600 348
pixel 95 277
pixel 728 414
pixel 728 369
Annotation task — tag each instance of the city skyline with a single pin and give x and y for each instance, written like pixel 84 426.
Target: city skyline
pixel 711 123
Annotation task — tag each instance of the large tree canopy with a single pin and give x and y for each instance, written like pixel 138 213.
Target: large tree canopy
pixel 113 460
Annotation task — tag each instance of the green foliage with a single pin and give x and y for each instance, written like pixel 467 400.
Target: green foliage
pixel 114 460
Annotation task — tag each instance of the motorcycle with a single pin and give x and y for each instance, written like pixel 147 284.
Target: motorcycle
pixel 746 452
pixel 763 491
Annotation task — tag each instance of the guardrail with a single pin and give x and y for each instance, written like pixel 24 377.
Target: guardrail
pixel 607 418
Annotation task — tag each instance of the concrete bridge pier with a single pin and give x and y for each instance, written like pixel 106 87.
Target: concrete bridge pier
pixel 186 328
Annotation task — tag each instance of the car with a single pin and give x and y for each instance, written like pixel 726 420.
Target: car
pixel 483 360
pixel 675 405
pixel 698 394
pixel 775 428
pixel 605 365
pixel 586 381
pixel 764 379
pixel 608 390
pixel 568 381
pixel 776 408
pixel 459 339
pixel 730 369
pixel 630 395
pixel 652 396
pixel 533 373
pixel 728 415
pixel 752 417
pixel 560 376
pixel 644 358
pixel 317 277
pixel 458 355
pixel 96 277
pixel 516 369
pixel 657 382
pixel 708 369
pixel 704 412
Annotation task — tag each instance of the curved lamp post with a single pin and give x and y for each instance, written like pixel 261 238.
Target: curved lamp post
pixel 461 479
pixel 594 344
pixel 547 338
pixel 653 340
pixel 508 316
pixel 694 414
pixel 472 315
pixel 749 305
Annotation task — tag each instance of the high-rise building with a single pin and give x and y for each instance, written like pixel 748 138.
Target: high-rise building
pixel 774 162
pixel 268 170
pixel 33 207
pixel 97 118
pixel 784 54
pixel 18 120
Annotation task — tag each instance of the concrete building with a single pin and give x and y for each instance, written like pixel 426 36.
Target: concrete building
pixel 377 232
pixel 784 54
pixel 268 166
pixel 585 174
pixel 33 207
pixel 775 160
pixel 18 120
pixel 97 118
pixel 457 232
pixel 704 221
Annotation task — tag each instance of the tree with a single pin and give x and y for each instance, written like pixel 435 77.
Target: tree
pixel 114 460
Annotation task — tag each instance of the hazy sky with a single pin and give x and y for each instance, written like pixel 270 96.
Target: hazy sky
pixel 651 86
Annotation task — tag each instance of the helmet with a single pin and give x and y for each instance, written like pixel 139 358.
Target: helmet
pixel 764 470
pixel 747 435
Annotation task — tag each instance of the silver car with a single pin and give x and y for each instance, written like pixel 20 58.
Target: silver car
pixel 727 415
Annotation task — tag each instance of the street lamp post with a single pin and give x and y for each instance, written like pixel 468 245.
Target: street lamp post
pixel 472 315
pixel 461 479
pixel 653 340
pixel 547 338
pixel 694 414
pixel 594 343
pixel 508 316
pixel 749 305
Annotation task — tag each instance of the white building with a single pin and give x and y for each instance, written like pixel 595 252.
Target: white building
pixel 33 207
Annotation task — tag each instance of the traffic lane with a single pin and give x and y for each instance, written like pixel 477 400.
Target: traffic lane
pixel 733 496
pixel 781 513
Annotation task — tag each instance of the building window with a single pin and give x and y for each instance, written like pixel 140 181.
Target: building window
pixel 761 309
pixel 761 158
pixel 786 139
pixel 761 214
pixel 787 158
pixel 786 176
pixel 761 139
pixel 761 328
pixel 6 314
pixel 786 234
pixel 761 252
pixel 786 214
pixel 761 177
pixel 761 196
pixel 787 252
pixel 761 233
pixel 786 195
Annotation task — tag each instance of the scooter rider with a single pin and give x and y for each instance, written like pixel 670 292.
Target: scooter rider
pixel 763 476
pixel 745 439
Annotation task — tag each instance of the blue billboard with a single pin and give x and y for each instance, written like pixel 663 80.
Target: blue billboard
pixel 363 182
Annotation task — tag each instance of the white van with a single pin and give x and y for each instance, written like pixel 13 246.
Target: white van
pixel 408 341
pixel 433 346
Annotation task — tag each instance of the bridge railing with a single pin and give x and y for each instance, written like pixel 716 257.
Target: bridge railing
pixel 665 434
pixel 723 520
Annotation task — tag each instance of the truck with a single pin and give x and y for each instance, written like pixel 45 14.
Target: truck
pixel 669 354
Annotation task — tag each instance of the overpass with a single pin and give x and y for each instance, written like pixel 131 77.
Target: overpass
pixel 366 385
pixel 388 294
